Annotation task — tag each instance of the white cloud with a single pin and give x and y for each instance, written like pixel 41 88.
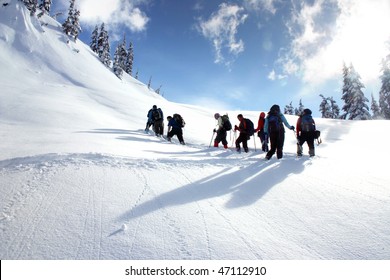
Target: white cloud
pixel 273 76
pixel 221 29
pixel 260 5
pixel 356 32
pixel 113 13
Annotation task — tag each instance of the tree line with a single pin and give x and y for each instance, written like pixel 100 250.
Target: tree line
pixel 355 105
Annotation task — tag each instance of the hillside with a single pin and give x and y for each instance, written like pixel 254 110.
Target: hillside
pixel 80 179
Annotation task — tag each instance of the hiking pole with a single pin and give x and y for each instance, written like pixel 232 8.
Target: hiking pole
pixel 212 138
pixel 254 141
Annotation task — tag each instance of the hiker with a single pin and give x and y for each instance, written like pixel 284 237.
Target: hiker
pixel 246 129
pixel 274 130
pixel 175 128
pixel 260 132
pixel 149 122
pixel 306 128
pixel 158 120
pixel 221 131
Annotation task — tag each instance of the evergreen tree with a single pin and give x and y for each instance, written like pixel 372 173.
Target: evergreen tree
pixel 76 25
pixel 129 60
pixel 45 6
pixel 376 112
pixel 71 26
pixel 334 108
pixel 328 108
pixel 384 93
pixel 103 47
pixel 355 106
pixel 122 52
pixel 116 67
pixel 289 109
pixel 345 92
pixel 299 110
pixel 158 90
pixel 325 109
pixel 67 26
pixel 94 39
pixel 31 5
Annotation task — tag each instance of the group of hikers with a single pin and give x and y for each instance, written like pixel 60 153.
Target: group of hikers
pixel 175 124
pixel 270 130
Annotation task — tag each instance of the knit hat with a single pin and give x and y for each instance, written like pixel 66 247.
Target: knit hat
pixel 216 116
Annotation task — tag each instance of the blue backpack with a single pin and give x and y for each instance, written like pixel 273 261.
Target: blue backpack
pixel 274 123
pixel 307 123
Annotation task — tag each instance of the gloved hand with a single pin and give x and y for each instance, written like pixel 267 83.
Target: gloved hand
pixel 214 130
pixel 292 127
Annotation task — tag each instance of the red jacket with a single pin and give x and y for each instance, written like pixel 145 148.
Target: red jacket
pixel 260 123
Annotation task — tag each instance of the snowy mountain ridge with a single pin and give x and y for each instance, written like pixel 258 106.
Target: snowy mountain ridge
pixel 80 179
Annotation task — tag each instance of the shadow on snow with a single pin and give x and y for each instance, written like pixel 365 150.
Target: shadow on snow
pixel 245 185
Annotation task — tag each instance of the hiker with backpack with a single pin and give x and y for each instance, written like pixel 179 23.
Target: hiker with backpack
pixel 260 132
pixel 224 125
pixel 149 122
pixel 246 130
pixel 274 131
pixel 158 120
pixel 306 132
pixel 175 125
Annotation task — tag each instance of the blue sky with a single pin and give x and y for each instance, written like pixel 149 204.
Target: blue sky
pixel 249 54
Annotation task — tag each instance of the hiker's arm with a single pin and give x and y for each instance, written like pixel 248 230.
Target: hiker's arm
pixel 286 122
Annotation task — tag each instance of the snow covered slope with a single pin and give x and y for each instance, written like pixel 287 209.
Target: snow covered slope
pixel 79 179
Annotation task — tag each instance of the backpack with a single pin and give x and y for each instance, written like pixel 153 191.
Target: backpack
pixel 226 124
pixel 250 128
pixel 179 120
pixel 274 123
pixel 307 123
pixel 156 114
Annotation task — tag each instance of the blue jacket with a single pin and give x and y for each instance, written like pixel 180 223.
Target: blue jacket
pixel 173 123
pixel 282 117
pixel 150 117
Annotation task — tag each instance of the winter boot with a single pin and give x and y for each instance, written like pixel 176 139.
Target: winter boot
pixel 311 152
pixel 299 150
pixel 225 146
pixel 216 144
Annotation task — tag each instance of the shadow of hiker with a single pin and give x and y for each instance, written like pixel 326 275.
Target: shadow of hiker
pixel 245 184
pixel 259 182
